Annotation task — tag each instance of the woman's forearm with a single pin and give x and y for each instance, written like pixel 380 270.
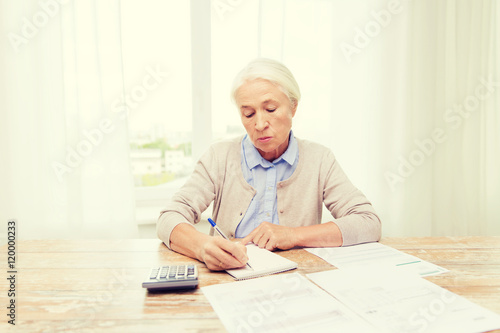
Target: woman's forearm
pixel 185 239
pixel 320 235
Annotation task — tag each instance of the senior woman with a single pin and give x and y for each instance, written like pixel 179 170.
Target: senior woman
pixel 268 187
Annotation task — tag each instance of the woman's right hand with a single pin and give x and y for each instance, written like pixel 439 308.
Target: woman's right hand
pixel 220 254
pixel 216 252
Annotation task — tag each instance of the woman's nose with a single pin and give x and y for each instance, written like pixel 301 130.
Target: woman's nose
pixel 261 121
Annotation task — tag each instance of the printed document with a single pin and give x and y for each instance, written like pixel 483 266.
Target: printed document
pixel 403 302
pixel 375 256
pixel 281 303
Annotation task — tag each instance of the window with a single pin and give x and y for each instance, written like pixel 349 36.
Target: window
pixel 156 46
pixel 202 45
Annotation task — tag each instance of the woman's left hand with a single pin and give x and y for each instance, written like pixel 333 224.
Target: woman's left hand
pixel 271 236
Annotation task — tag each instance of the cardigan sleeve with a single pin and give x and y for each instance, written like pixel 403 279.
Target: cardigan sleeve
pixel 192 198
pixel 353 213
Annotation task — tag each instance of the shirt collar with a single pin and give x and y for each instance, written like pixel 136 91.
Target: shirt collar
pixel 253 157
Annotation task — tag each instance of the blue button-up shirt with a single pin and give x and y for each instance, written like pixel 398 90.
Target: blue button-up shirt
pixel 263 176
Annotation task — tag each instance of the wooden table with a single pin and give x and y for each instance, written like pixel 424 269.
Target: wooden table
pixel 95 285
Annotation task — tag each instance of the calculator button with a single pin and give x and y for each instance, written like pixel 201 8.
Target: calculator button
pixel 154 273
pixel 172 277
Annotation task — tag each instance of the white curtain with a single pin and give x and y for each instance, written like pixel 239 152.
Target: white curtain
pixel 65 170
pixel 445 153
pixel 382 85
pixel 405 93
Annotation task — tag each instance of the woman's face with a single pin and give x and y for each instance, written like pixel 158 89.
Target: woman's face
pixel 266 114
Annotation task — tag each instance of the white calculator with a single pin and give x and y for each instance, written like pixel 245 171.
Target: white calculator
pixel 172 277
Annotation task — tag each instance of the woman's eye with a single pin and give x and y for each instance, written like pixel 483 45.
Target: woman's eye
pixel 270 110
pixel 249 115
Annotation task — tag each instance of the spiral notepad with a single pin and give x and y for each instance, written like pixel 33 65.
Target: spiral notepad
pixel 263 262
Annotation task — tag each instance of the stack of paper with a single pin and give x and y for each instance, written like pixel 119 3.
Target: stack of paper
pixel 375 289
pixel 280 303
pixel 399 302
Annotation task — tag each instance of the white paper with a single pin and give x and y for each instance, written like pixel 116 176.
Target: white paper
pixel 375 256
pixel 403 302
pixel 281 303
pixel 263 262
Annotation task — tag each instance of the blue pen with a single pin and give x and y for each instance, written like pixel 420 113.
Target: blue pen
pixel 221 233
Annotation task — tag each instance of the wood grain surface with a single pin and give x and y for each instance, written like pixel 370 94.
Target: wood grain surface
pixel 95 285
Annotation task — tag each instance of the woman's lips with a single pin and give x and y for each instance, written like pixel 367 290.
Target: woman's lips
pixel 265 139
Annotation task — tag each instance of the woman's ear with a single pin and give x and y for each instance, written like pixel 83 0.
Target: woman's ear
pixel 294 107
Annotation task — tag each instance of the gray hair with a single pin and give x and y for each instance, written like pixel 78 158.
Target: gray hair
pixel 272 71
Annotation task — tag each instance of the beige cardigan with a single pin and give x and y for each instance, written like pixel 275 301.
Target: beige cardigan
pixel 317 179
